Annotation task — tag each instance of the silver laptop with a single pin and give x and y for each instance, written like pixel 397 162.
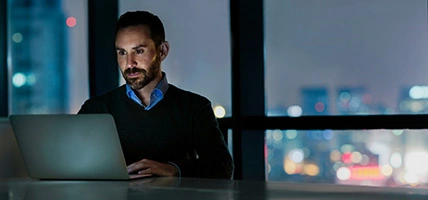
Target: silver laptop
pixel 71 147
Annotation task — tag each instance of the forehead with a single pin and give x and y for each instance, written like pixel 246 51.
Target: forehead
pixel 133 34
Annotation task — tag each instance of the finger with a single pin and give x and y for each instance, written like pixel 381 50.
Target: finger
pixel 130 167
pixel 146 171
pixel 148 161
pixel 134 164
pixel 158 169
pixel 137 166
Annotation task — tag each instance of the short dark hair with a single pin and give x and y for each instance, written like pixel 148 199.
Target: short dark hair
pixel 135 18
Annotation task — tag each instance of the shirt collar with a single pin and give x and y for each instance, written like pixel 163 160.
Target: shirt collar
pixel 163 84
pixel 155 96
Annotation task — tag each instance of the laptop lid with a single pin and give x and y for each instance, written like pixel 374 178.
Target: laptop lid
pixel 68 146
pixel 11 162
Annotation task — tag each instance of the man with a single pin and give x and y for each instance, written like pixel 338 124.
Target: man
pixel 164 130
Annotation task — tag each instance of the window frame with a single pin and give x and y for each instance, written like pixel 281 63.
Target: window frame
pixel 4 78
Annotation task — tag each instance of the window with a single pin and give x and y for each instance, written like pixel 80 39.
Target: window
pixel 47 56
pixel 346 57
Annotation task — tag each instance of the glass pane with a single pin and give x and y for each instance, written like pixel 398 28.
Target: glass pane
pixel 47 56
pixel 199 35
pixel 392 158
pixel 346 57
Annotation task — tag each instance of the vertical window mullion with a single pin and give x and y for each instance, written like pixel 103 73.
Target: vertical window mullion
pixel 4 105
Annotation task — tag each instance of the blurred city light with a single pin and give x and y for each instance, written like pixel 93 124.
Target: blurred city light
pixel 335 155
pixel 404 106
pixel 294 111
pixel 370 161
pixel 365 160
pixel 19 79
pixel 354 104
pixel 328 134
pixel 365 173
pixel 291 134
pixel 343 173
pixel 71 22
pixel 346 158
pixel 296 155
pixel 219 111
pixel 356 157
pixel 418 92
pixel 291 167
pixel 347 148
pixel 397 132
pixel 411 178
pixel 319 107
pixel 337 165
pixel 31 79
pixel 345 97
pixel 416 162
pixel 396 160
pixel 311 169
pixel 387 170
pixel 277 135
pixel 417 106
pixel 17 37
pixel 306 152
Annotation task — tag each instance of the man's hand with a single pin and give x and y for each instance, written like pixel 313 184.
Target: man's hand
pixel 146 166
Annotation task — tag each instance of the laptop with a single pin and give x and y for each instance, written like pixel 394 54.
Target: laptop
pixel 70 147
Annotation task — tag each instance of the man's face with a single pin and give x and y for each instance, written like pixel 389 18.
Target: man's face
pixel 137 56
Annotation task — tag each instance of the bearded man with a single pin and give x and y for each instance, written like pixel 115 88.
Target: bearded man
pixel 163 130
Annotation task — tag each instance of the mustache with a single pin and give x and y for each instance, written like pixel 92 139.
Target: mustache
pixel 134 70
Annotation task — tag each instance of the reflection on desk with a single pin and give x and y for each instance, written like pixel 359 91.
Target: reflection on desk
pixel 192 188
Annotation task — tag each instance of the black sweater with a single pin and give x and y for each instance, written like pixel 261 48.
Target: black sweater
pixel 181 129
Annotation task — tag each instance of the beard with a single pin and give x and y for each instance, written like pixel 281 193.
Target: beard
pixel 145 77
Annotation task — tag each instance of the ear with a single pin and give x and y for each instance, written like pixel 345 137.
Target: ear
pixel 163 50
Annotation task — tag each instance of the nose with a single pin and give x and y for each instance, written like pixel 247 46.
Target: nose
pixel 130 61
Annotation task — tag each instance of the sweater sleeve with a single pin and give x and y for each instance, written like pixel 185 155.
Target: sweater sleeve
pixel 213 157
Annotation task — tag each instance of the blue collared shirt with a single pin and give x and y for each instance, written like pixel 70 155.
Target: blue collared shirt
pixel 155 96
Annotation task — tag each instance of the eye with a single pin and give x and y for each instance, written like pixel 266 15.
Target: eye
pixel 121 53
pixel 139 51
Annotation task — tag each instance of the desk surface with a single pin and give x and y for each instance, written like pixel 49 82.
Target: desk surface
pixel 189 188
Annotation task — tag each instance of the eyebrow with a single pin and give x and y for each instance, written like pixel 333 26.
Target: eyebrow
pixel 136 47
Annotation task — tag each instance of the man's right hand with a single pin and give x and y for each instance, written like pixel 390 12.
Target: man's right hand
pixel 146 166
